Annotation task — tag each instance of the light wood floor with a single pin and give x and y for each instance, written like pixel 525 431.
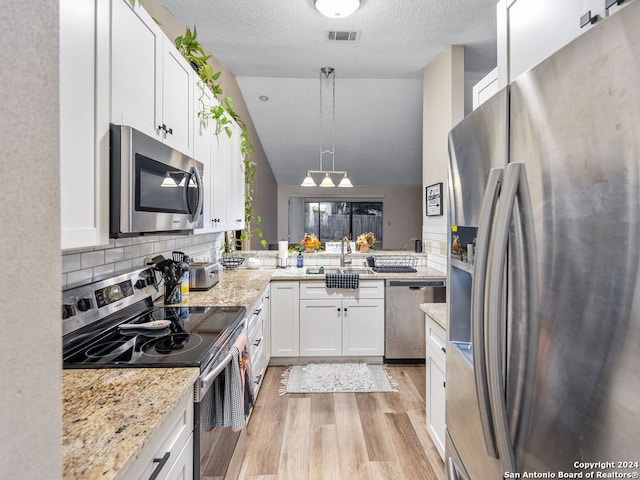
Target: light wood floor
pixel 340 436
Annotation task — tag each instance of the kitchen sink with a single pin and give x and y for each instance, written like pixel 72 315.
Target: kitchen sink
pixel 322 271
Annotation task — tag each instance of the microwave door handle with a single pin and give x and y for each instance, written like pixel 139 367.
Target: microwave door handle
pixel 487 211
pixel 195 216
pixel 495 347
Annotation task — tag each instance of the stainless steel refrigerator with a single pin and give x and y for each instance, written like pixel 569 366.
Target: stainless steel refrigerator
pixel 543 357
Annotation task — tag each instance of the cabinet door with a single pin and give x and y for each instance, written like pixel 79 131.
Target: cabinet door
pixel 84 123
pixel 531 30
pixel 285 319
pixel 363 327
pixel 320 328
pixel 436 403
pixel 136 68
pixel 235 212
pixel 177 95
pixel 220 182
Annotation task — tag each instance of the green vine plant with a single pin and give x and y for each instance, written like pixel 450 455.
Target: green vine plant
pixel 223 114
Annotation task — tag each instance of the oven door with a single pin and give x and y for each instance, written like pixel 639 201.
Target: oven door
pixel 153 187
pixel 218 453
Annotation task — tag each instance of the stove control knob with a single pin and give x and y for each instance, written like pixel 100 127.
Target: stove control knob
pixel 68 310
pixel 85 304
pixel 140 284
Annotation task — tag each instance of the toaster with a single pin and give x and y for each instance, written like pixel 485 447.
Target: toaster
pixel 203 275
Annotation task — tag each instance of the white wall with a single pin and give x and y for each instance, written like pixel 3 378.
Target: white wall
pixel 402 208
pixel 443 108
pixel 30 357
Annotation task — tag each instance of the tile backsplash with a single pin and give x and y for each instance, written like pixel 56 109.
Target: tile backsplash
pixel 434 239
pixel 123 254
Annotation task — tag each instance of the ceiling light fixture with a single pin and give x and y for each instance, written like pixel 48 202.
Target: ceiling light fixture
pixel 327 181
pixel 337 8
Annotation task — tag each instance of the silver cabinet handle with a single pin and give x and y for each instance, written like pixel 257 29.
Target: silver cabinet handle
pixel 495 348
pixel 477 307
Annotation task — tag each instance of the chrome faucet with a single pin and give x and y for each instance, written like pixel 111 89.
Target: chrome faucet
pixel 343 260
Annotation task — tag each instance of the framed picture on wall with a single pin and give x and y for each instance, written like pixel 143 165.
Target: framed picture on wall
pixel 434 199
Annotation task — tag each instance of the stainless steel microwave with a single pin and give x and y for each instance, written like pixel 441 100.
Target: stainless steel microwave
pixel 153 188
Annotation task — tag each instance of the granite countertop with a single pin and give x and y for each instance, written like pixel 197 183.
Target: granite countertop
pixel 243 286
pixel 109 415
pixel 437 311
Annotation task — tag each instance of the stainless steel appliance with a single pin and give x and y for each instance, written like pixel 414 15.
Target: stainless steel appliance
pixel 154 188
pixel 544 326
pixel 113 323
pixel 404 321
pixel 203 275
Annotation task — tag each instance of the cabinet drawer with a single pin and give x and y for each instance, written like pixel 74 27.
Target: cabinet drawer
pixel 436 341
pixel 317 290
pixel 169 439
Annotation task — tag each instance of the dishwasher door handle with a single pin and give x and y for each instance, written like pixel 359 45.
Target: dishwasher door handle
pixel 417 288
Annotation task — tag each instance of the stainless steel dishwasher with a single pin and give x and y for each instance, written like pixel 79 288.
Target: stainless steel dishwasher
pixel 404 321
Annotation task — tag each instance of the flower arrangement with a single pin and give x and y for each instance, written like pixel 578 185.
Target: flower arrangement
pixel 365 240
pixel 310 242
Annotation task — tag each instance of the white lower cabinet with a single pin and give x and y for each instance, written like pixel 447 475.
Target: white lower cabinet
pixel 337 322
pixel 320 328
pixel 169 452
pixel 285 319
pixel 259 349
pixel 436 386
pixel 363 327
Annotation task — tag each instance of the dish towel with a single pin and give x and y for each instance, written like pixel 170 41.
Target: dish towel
pixel 342 280
pixel 224 403
pixel 242 346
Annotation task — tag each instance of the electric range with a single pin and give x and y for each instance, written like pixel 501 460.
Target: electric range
pixel 114 323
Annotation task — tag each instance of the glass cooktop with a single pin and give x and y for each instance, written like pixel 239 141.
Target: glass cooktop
pixel 179 336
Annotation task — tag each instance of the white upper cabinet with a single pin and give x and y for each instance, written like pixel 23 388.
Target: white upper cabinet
pixel 152 84
pixel 84 123
pixel 237 180
pixel 531 30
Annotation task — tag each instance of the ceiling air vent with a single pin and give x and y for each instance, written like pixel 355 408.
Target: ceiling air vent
pixel 342 36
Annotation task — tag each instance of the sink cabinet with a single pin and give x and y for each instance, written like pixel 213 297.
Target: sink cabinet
pixel 341 322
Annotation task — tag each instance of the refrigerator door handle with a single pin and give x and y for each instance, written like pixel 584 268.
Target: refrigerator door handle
pixel 477 308
pixel 495 349
pixel 452 473
pixel 532 332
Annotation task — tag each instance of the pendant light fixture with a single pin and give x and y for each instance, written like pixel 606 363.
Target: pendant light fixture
pixel 168 181
pixel 327 181
pixel 337 8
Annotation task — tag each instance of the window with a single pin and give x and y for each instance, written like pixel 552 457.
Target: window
pixel 332 221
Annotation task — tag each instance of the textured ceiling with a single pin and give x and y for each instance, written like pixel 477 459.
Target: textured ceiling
pixel 277 47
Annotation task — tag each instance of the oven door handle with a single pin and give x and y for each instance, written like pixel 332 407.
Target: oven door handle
pixel 208 378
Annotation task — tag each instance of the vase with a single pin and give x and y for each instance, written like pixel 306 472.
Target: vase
pixel 364 248
pixel 310 250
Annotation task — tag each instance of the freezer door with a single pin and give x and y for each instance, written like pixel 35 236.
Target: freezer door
pixel 476 145
pixel 575 123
